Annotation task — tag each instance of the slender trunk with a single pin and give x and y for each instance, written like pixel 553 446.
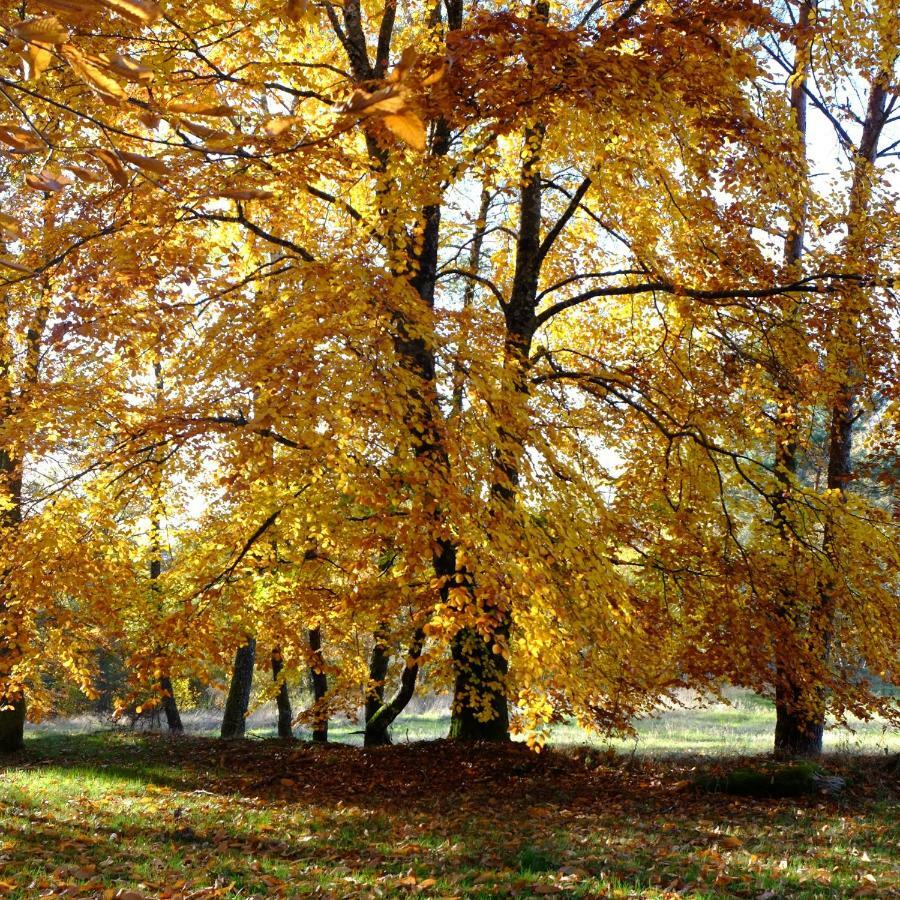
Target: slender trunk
pixel 795 735
pixel 234 720
pixel 459 389
pixel 283 699
pixel 319 682
pixel 380 716
pixel 378 672
pixel 802 718
pixel 419 269
pixel 480 710
pixel 12 700
pixel 169 704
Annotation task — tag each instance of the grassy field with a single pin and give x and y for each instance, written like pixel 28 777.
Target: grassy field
pixel 743 725
pixel 139 816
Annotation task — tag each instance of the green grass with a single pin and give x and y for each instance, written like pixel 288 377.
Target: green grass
pixel 99 815
pixel 743 725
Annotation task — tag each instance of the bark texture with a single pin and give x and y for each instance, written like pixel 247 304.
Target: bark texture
pixel 380 715
pixel 170 706
pixel 319 681
pixel 234 720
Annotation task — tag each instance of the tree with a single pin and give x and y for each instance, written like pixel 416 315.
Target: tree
pixel 545 480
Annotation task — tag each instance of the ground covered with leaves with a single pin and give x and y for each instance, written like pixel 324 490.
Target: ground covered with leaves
pixel 128 816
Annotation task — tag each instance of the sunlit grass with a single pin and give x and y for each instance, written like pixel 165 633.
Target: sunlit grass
pixel 94 814
pixel 743 725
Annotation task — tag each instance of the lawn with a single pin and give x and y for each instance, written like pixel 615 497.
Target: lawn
pixel 743 724
pixel 128 815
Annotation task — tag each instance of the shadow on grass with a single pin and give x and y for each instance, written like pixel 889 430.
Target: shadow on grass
pixel 279 819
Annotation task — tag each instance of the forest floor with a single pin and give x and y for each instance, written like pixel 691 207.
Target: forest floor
pixel 138 816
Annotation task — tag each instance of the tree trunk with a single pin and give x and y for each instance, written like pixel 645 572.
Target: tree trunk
pixel 798 729
pixel 419 267
pixel 378 671
pixel 379 715
pixel 480 709
pixel 12 727
pixel 800 717
pixel 12 708
pixel 319 681
pixel 170 706
pixel 235 719
pixel 283 699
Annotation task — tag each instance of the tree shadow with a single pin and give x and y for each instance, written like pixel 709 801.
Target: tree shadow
pixel 494 820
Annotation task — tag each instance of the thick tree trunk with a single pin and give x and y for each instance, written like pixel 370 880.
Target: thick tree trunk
pixel 801 715
pixel 12 727
pixel 283 699
pixel 170 706
pixel 319 681
pixel 12 719
pixel 799 730
pixel 378 671
pixel 418 267
pixel 480 708
pixel 234 720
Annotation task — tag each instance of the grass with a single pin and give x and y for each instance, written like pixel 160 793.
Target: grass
pixel 128 815
pixel 743 725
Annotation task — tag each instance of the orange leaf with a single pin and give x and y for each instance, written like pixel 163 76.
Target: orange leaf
pixel 408 127
pixel 104 85
pixel 149 163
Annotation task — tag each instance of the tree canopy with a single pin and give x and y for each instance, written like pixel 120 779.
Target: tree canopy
pixel 546 353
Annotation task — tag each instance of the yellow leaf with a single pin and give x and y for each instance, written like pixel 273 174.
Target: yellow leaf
pixel 36 58
pixel 226 141
pixel 46 182
pixel 46 30
pixel 126 67
pixel 278 125
pixel 298 10
pixel 149 118
pixel 202 131
pixel 144 12
pixel 436 75
pixel 386 100
pixel 83 174
pixel 408 127
pixel 108 88
pixel 407 60
pixel 113 165
pixel 10 225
